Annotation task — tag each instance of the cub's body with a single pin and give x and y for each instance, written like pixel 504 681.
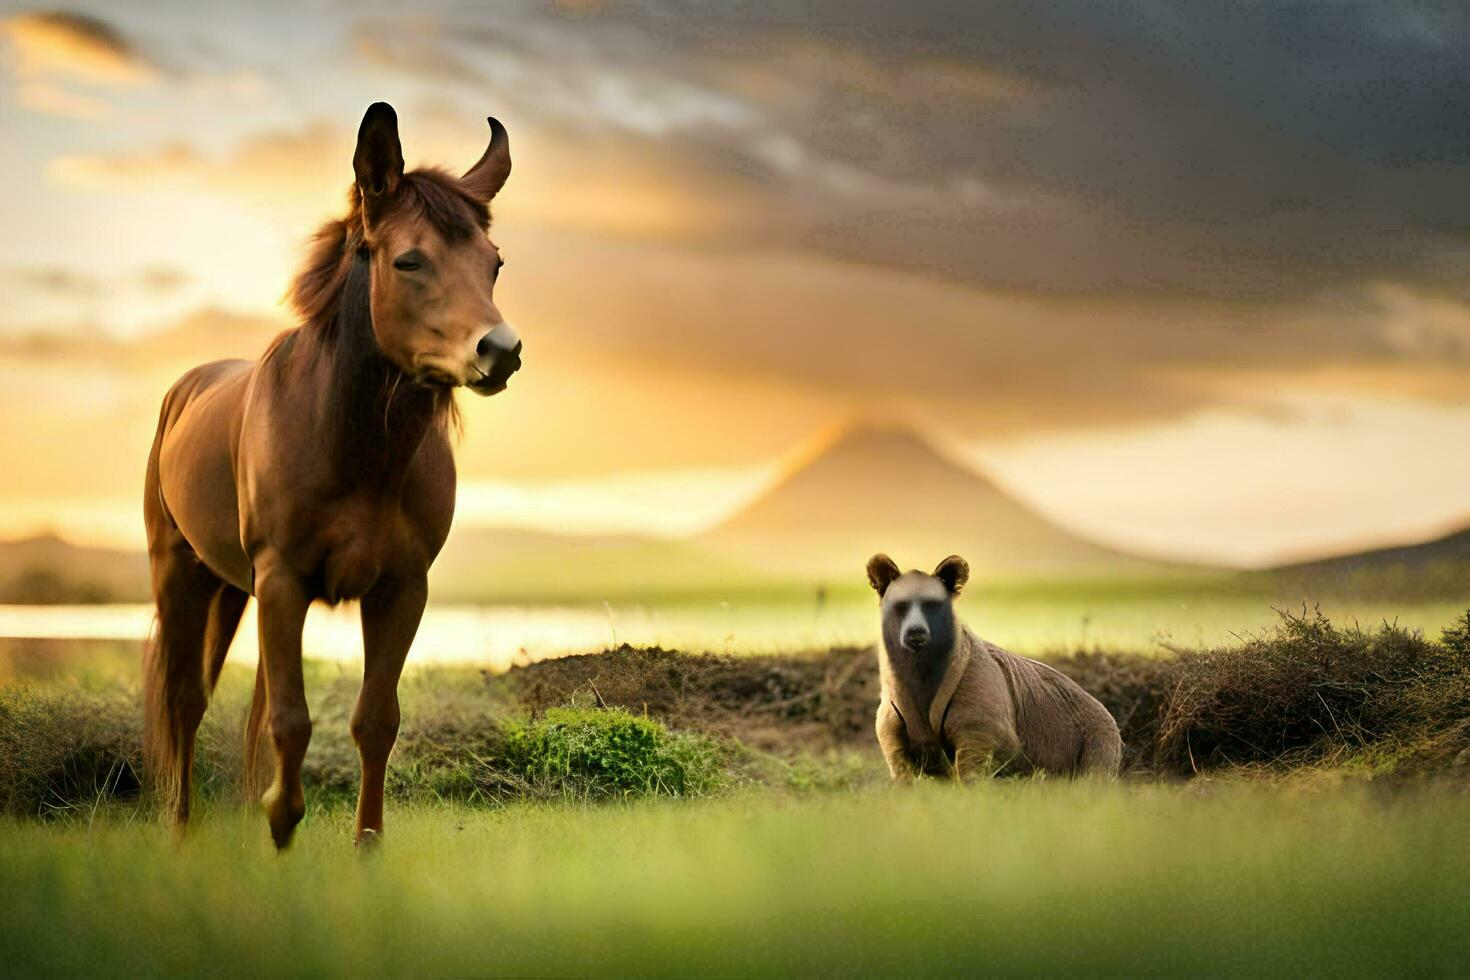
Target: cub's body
pixel 954 704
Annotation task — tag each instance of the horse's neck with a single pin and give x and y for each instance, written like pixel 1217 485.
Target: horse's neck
pixel 369 418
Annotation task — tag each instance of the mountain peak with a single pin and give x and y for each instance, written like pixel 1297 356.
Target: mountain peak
pixel 885 487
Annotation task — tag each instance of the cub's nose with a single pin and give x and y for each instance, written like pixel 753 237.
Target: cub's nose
pixel 915 637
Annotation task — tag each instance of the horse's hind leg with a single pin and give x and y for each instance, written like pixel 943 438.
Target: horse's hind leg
pixel 390 618
pixel 187 595
pixel 225 612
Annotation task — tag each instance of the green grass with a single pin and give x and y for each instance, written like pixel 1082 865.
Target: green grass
pixel 532 833
pixel 1012 878
pixel 567 754
pixel 1028 618
pixel 629 723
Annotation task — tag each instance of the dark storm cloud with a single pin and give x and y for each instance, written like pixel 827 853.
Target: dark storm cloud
pixel 1242 151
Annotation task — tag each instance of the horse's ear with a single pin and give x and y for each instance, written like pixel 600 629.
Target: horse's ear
pixel 485 178
pixel 881 572
pixel 378 161
pixel 954 572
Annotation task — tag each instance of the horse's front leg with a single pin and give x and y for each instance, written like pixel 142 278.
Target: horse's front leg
pixel 390 618
pixel 283 601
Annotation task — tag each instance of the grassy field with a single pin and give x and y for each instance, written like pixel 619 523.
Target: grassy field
pixel 1294 803
pixel 1014 878
pixel 1032 619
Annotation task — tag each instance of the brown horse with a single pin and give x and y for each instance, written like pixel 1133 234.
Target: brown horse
pixel 323 470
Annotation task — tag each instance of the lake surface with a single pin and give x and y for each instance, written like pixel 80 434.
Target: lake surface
pixel 498 637
pixel 495 637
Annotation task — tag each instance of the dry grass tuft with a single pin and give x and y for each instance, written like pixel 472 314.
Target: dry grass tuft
pixel 1303 693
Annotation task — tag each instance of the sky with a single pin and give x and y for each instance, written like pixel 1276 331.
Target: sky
pixel 1192 278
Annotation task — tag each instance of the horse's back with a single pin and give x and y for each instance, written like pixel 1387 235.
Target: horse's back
pixel 194 451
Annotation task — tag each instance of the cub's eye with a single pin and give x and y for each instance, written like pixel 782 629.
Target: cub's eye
pixel 901 608
pixel 932 606
pixel 411 262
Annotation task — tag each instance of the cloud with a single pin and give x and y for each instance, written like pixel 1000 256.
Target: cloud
pixel 55 281
pixel 60 295
pixel 414 45
pixel 76 46
pixel 57 101
pixel 602 182
pixel 1418 324
pixel 293 171
pixel 1055 148
pixel 1017 219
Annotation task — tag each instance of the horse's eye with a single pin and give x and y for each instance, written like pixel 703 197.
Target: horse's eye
pixel 407 263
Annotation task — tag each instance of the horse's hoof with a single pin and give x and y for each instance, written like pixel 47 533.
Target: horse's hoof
pixel 368 840
pixel 282 816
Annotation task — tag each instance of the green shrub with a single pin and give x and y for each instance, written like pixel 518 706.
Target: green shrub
pixel 597 753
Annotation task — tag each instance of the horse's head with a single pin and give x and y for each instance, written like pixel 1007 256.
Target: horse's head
pixel 433 267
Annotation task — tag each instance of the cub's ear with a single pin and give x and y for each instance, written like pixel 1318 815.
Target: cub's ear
pixel 881 573
pixel 954 572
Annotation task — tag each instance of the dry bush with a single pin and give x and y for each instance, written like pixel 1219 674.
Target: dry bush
pixel 1304 685
pixel 1300 693
pixel 63 752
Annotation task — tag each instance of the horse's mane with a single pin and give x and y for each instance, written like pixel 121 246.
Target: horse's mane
pixel 431 195
pixel 331 292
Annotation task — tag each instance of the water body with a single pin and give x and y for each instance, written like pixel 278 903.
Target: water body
pixel 498 637
pixel 494 637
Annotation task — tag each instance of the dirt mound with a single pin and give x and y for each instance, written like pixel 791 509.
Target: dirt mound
pixel 1305 693
pixel 810 702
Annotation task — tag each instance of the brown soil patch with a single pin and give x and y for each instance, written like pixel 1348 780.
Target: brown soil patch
pixel 811 703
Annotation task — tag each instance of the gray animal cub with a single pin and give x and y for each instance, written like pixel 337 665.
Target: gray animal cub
pixel 955 705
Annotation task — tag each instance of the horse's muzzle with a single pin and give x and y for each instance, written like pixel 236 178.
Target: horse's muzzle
pixel 503 363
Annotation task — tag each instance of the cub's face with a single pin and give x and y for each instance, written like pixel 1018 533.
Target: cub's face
pixel 918 609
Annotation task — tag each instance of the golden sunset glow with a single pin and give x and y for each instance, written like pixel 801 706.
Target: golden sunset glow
pixel 721 250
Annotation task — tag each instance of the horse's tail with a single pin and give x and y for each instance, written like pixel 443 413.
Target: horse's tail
pixel 158 751
pixel 171 692
pixel 254 730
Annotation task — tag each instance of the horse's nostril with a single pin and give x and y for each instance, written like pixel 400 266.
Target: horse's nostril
pixel 499 341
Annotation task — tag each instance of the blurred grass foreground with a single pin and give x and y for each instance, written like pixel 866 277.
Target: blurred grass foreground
pixel 1007 878
pixel 1293 802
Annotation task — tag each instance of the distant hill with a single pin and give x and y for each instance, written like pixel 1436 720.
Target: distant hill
pixel 1437 568
pixel 47 569
pixel 876 489
pixel 869 490
pixel 477 565
pixel 512 564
